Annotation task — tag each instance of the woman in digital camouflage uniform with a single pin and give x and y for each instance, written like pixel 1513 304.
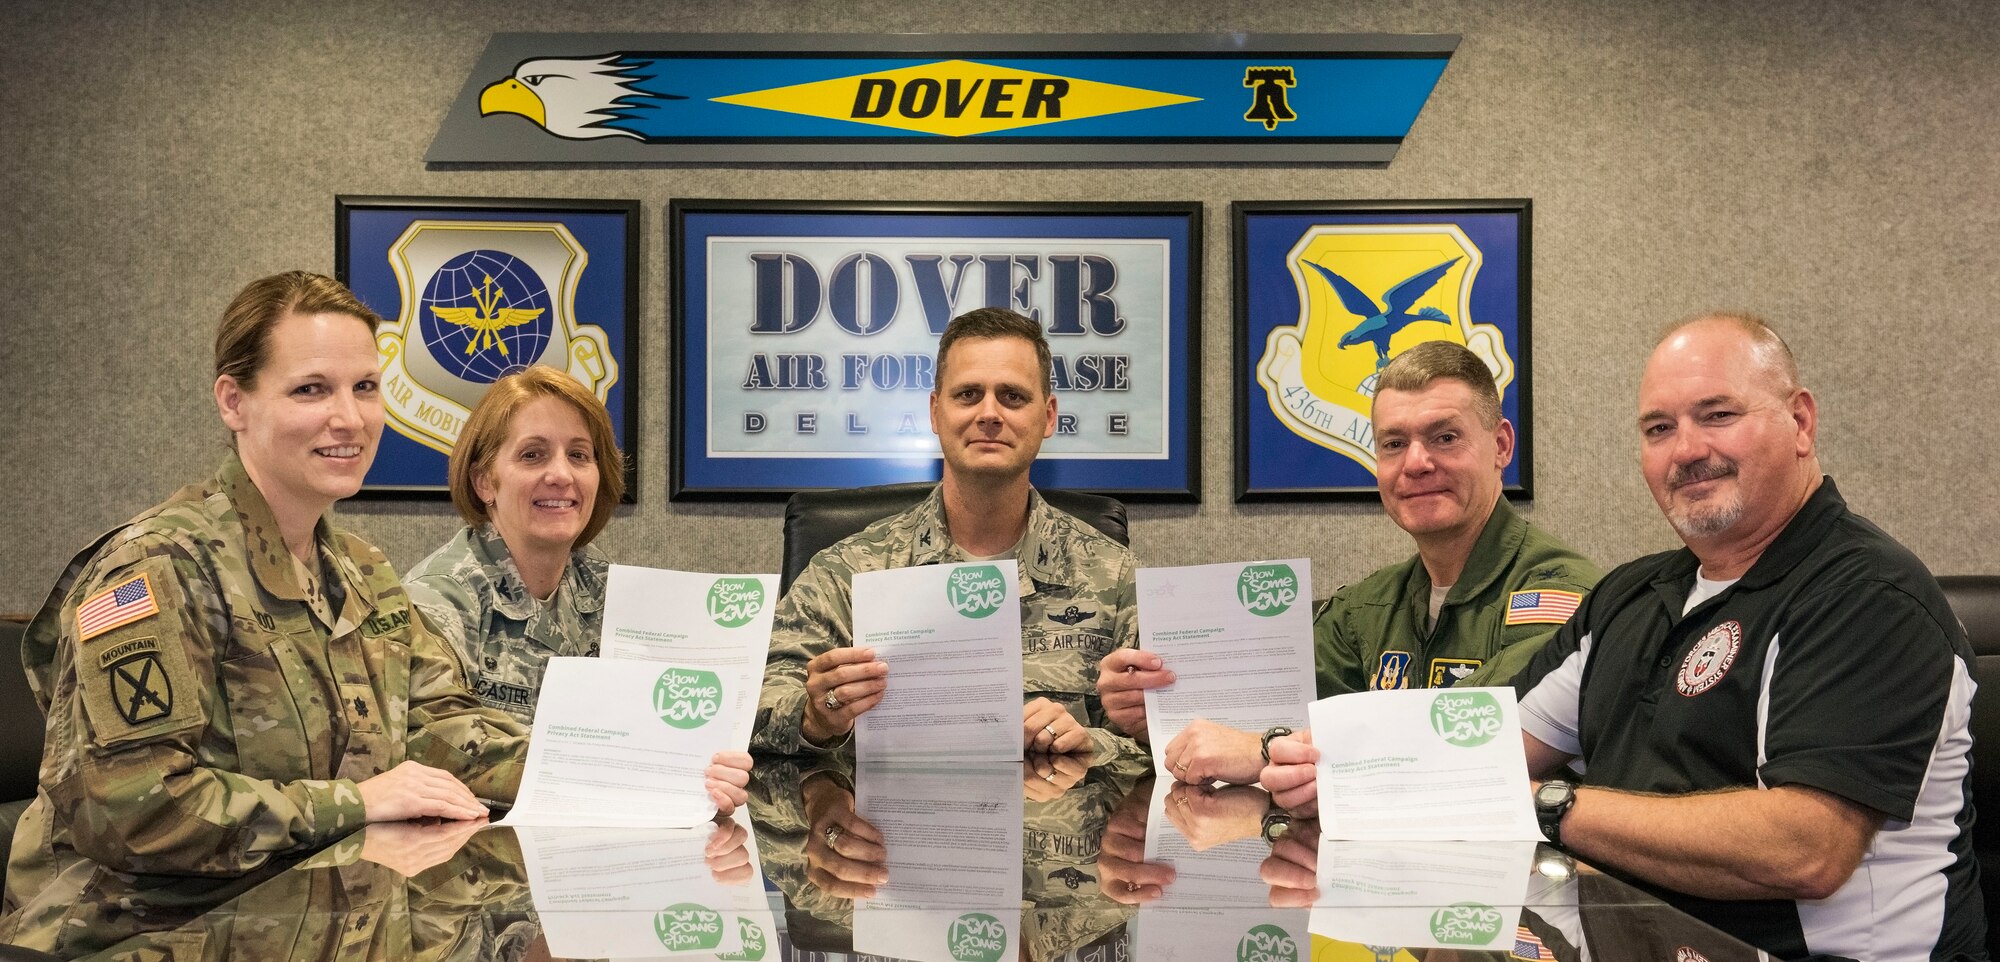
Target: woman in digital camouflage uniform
pixel 535 473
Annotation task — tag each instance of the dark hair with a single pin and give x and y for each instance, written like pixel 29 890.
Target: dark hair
pixel 995 322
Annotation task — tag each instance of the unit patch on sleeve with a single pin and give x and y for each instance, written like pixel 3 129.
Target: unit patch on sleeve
pixel 1392 672
pixel 1544 606
pixel 140 689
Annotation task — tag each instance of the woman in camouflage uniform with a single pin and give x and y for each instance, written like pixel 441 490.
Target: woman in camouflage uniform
pixel 535 473
pixel 228 677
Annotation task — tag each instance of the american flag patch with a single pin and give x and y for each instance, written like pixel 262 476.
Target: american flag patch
pixel 1544 607
pixel 120 604
pixel 1527 946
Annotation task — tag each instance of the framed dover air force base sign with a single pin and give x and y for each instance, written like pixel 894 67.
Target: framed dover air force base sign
pixel 471 288
pixel 1327 292
pixel 804 336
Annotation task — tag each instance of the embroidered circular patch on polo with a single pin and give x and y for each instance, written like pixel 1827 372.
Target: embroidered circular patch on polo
pixel 1710 658
pixel 1685 954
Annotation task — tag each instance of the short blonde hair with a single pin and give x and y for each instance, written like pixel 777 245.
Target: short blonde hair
pixel 486 431
pixel 1419 365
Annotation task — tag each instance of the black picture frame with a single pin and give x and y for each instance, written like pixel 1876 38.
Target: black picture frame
pixel 715 456
pixel 593 300
pixel 1299 435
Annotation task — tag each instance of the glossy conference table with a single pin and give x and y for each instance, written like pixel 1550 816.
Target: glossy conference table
pixel 1045 860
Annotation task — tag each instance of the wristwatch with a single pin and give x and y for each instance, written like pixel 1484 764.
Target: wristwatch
pixel 1552 802
pixel 1265 745
pixel 1277 822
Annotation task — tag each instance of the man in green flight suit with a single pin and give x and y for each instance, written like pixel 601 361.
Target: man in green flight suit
pixel 1482 594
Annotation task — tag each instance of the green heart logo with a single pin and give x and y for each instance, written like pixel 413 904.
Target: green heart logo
pixel 687 697
pixel 1467 923
pixel 975 591
pixel 735 602
pixel 1465 718
pixel 688 927
pixel 1267 943
pixel 1267 590
pixel 976 937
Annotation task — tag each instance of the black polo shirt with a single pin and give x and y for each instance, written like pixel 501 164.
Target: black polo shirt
pixel 1833 663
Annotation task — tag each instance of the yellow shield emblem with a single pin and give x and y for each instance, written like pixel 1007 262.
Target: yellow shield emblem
pixel 1367 293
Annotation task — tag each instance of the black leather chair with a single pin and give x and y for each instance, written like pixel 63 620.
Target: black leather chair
pixel 1976 601
pixel 814 520
pixel 20 736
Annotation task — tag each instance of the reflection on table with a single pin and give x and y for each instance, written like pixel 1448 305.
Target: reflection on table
pixel 1044 860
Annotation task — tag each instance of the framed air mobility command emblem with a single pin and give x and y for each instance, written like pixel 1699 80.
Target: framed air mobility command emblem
pixel 470 289
pixel 1326 293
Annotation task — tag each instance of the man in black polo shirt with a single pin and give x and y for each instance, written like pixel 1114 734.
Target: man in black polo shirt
pixel 1773 720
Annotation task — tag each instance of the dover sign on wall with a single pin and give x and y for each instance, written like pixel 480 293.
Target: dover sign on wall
pixel 796 98
pixel 804 338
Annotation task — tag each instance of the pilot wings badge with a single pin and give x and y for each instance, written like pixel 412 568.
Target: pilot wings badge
pixel 1367 292
pixel 481 299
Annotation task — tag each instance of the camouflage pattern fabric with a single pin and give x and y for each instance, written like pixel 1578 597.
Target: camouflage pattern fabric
pixel 1078 602
pixel 473 595
pixel 213 702
pixel 1062 906
pixel 1371 634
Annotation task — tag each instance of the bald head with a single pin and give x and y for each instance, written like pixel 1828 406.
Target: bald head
pixel 1727 436
pixel 1769 356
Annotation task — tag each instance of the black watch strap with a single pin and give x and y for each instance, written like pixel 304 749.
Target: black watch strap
pixel 1552 801
pixel 1264 745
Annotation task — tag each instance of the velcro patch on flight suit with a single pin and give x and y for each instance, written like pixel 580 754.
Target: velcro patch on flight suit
pixel 133 676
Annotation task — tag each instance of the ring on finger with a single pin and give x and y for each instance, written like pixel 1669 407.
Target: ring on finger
pixel 1180 766
pixel 832 837
pixel 1051 729
pixel 831 701
pixel 1051 776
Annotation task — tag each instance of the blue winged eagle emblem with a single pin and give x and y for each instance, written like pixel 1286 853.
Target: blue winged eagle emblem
pixel 1379 323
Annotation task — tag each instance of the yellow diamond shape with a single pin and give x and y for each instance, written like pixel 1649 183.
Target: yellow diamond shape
pixel 956 98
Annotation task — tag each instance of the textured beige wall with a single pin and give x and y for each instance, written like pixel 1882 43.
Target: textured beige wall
pixel 1828 162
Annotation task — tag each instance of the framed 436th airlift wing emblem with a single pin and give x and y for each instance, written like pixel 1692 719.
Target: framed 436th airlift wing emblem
pixel 470 289
pixel 1327 292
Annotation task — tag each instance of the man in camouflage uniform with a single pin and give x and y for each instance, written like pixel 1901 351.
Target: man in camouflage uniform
pixel 991 409
pixel 1485 590
pixel 212 702
pixel 472 593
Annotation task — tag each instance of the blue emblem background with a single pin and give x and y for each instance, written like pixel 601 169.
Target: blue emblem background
pixel 458 284
pixel 601 299
pixel 1271 460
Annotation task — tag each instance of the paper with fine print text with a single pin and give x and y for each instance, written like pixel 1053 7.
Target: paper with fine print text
pixel 621 742
pixel 951 636
pixel 710 622
pixel 1465 895
pixel 1423 765
pixel 1238 638
pixel 1218 906
pixel 953 835
pixel 644 893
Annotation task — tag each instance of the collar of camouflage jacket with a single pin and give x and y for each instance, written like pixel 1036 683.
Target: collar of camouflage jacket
pixel 277 572
pixel 1043 554
pixel 583 579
